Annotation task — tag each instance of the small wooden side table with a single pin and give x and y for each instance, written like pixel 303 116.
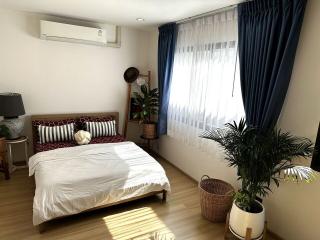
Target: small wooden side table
pixel 148 145
pixel 10 142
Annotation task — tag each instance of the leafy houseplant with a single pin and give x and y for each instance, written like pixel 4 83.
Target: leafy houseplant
pixel 4 132
pixel 148 104
pixel 260 158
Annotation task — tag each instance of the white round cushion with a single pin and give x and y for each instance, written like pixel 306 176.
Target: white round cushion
pixel 82 137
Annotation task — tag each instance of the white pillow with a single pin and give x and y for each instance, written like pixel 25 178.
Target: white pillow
pixel 82 137
pixel 48 134
pixel 100 129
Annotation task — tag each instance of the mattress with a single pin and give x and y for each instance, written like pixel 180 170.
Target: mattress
pixel 74 179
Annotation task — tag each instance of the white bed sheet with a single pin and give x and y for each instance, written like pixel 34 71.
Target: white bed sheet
pixel 75 179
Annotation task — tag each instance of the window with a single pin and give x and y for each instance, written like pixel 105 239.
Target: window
pixel 205 87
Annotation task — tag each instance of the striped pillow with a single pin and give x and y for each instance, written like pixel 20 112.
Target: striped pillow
pixel 56 133
pixel 99 129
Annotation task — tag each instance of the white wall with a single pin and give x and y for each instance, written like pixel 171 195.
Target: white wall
pixel 151 47
pixel 59 77
pixel 293 210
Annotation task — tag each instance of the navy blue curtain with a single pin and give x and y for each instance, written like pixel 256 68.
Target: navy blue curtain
pixel 166 47
pixel 268 37
pixel 315 163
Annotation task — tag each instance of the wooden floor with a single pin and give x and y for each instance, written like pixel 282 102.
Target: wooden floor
pixel 179 218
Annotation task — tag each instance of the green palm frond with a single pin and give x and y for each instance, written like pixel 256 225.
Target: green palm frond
pixel 300 173
pixel 4 131
pixel 261 157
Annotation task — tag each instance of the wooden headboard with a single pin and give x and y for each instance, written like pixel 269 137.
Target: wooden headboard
pixel 76 116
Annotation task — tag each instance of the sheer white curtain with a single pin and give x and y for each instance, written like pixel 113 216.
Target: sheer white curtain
pixel 205 88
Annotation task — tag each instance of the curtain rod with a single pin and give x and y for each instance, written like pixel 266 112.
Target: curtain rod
pixel 207 13
pixel 210 12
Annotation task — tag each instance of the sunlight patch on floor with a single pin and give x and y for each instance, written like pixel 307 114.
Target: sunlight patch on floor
pixel 138 224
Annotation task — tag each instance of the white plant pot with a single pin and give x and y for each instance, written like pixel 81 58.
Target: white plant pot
pixel 240 220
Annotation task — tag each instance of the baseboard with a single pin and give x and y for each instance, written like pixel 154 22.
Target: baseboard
pixel 170 163
pixel 274 235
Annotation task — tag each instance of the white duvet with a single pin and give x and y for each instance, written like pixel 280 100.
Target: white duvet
pixel 75 179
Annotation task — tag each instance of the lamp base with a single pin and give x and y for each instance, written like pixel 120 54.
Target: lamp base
pixel 15 126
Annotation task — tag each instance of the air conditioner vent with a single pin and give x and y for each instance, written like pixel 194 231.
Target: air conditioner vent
pixel 72 33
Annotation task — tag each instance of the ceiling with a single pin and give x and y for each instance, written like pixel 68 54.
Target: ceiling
pixel 120 12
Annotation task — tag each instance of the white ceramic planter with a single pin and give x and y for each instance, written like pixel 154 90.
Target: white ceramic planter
pixel 240 220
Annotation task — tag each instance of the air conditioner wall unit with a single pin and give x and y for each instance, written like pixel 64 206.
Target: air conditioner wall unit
pixel 72 33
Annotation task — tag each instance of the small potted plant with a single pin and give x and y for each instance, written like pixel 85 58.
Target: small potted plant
pixel 147 104
pixel 4 133
pixel 260 158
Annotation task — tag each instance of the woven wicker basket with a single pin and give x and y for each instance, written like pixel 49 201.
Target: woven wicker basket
pixel 149 130
pixel 216 197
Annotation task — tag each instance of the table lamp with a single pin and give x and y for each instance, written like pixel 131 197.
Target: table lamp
pixel 11 107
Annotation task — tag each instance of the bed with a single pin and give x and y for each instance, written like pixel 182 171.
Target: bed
pixel 71 179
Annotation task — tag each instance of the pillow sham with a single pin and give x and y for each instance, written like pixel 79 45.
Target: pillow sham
pixel 99 129
pixel 62 133
pixel 83 119
pixel 50 123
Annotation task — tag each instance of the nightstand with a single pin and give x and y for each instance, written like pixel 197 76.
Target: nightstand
pixel 3 159
pixel 148 145
pixel 10 142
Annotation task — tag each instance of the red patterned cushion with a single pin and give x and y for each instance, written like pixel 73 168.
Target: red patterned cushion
pixel 108 139
pixel 36 123
pixel 51 146
pixel 84 119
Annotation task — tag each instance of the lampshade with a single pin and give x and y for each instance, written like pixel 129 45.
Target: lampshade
pixel 315 164
pixel 11 105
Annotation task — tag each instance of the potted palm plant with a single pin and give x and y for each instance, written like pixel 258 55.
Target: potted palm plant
pixel 260 158
pixel 147 104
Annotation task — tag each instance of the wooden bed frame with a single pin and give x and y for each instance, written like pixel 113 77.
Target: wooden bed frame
pixel 115 116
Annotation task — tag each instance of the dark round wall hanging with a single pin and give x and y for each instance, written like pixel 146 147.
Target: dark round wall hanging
pixel 131 74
